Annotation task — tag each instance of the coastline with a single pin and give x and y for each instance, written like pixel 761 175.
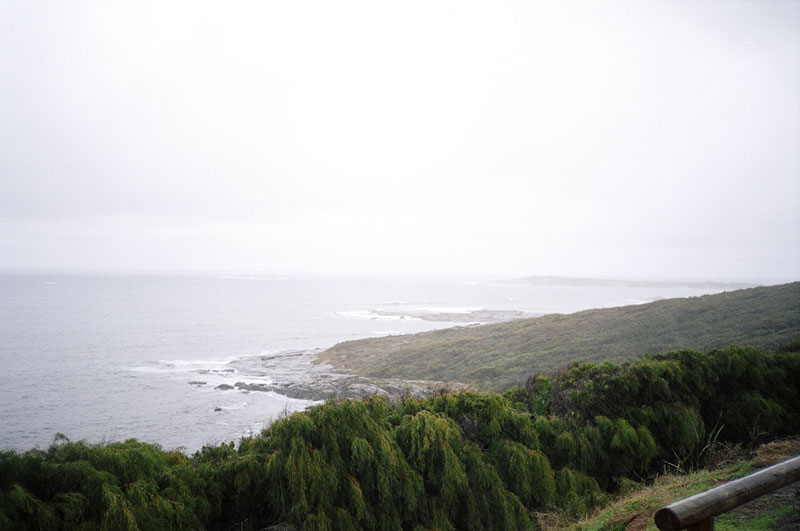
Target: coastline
pixel 300 374
pixel 142 356
pixel 303 374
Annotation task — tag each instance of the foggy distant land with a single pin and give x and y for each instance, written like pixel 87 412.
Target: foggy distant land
pixel 615 283
pixel 496 356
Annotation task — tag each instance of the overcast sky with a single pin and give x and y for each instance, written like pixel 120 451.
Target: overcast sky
pixel 626 139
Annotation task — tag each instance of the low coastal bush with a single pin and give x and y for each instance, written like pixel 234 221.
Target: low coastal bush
pixel 456 461
pixel 687 401
pixel 128 485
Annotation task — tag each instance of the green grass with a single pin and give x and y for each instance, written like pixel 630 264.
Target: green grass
pixel 494 357
pixel 765 513
pixel 767 519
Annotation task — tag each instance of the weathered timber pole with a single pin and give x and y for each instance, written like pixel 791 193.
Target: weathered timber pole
pixel 697 512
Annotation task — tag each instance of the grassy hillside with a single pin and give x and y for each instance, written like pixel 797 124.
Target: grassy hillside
pixel 494 357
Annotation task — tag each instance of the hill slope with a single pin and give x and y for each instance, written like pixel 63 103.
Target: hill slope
pixel 493 357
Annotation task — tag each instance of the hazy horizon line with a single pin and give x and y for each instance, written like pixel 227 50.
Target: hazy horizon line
pixel 267 274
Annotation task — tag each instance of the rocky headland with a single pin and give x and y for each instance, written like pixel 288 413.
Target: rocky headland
pixel 296 375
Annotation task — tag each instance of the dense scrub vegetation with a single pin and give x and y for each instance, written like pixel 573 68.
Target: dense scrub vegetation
pixel 494 357
pixel 455 461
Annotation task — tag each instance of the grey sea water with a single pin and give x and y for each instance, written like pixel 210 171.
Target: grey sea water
pixel 107 358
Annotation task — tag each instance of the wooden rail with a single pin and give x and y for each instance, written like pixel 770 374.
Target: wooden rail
pixel 697 512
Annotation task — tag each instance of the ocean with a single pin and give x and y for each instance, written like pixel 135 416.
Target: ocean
pixel 107 358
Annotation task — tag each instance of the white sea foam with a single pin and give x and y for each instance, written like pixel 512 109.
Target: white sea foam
pixel 456 309
pixel 369 314
pixel 233 407
pixel 213 372
pixel 200 363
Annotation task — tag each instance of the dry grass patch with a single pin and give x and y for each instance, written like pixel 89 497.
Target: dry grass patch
pixel 776 451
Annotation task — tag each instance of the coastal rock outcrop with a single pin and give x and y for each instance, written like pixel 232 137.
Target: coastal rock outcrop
pixel 295 374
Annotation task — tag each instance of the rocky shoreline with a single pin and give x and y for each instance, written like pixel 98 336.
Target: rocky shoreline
pixel 349 386
pixel 295 374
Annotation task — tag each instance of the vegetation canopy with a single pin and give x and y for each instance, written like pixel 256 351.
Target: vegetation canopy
pixel 455 461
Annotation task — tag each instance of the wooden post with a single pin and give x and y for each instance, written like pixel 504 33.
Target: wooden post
pixel 697 512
